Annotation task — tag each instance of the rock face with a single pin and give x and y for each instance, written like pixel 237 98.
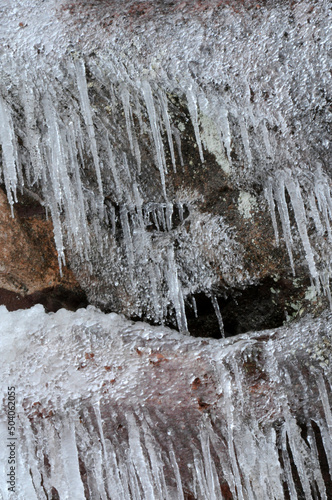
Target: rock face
pixel 123 410
pixel 182 150
pixel 29 266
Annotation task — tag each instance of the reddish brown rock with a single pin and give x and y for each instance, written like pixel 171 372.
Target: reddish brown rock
pixel 29 269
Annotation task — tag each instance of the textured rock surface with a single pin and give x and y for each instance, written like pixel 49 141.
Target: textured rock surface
pixel 29 272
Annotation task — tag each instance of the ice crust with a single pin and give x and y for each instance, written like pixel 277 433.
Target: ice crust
pixel 112 409
pixel 259 73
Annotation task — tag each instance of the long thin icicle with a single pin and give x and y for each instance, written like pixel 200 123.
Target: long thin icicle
pixel 87 115
pixel 216 308
pixel 163 102
pixel 175 291
pixel 148 97
pixel 295 194
pixel 268 192
pixel 284 216
pixel 192 107
pixel 9 155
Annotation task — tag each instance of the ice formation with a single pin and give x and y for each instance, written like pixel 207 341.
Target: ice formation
pixel 112 409
pixel 90 93
pixel 85 86
pixel 69 73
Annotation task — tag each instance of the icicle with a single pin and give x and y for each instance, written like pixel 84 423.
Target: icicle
pixel 169 213
pixel 96 460
pixel 287 466
pixel 127 111
pixel 54 455
pixel 83 226
pixel 9 153
pixel 200 476
pixel 176 292
pixel 299 452
pixel 236 484
pixel 245 139
pixel 32 133
pixel 29 461
pixel 144 249
pixel 216 308
pixel 295 194
pixel 148 97
pixel 326 404
pixel 193 300
pixel 161 216
pixel 327 443
pixel 26 484
pixel 155 296
pixel 315 214
pixel 70 460
pixel 138 113
pixel 266 139
pixel 113 168
pixel 134 146
pixel 106 460
pixel 136 492
pixel 155 218
pixel 61 185
pixel 192 107
pixel 225 131
pixel 156 463
pixel 57 231
pixel 70 201
pixel 212 482
pixel 127 237
pixel 163 102
pixel 317 474
pixel 177 136
pixel 87 115
pixel 141 464
pixel 284 216
pixel 323 195
pixel 268 192
pixel 180 210
pixel 177 475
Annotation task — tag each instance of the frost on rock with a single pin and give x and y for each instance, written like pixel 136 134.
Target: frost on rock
pixel 96 100
pixel 98 397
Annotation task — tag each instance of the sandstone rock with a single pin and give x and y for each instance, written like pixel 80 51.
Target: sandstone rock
pixel 29 265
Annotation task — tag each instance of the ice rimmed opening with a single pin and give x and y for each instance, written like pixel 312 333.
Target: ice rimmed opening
pixel 267 304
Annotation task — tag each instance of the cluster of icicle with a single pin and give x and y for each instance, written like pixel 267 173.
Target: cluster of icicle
pixel 255 100
pixel 90 426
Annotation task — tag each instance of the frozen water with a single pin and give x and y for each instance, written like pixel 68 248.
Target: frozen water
pixel 256 74
pixel 112 409
pixel 86 100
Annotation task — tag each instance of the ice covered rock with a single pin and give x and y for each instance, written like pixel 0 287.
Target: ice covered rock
pixel 181 147
pixel 109 408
